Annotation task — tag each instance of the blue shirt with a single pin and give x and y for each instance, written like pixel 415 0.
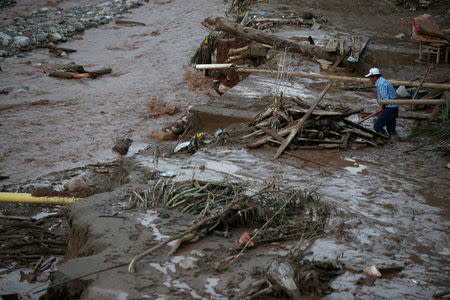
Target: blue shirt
pixel 385 91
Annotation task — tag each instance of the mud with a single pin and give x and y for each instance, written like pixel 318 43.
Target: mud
pixel 390 208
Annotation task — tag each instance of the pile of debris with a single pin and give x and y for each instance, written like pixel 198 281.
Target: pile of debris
pixel 324 129
pixel 27 240
pixel 277 214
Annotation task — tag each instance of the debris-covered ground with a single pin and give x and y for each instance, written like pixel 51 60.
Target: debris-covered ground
pixel 175 201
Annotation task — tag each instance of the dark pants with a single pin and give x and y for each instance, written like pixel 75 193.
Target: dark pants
pixel 387 118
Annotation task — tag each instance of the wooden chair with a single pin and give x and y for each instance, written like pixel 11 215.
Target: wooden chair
pixel 435 48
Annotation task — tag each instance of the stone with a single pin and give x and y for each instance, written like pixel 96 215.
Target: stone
pixel 79 27
pixel 131 3
pixel 3 53
pixel 198 253
pixel 54 37
pixel 76 184
pixel 222 89
pixel 400 35
pixel 5 39
pixel 44 9
pixel 41 37
pixel 22 41
pixel 188 264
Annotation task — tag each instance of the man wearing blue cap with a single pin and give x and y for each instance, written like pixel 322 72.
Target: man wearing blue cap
pixel 388 113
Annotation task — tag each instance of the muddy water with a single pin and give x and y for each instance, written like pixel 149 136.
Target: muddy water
pixel 392 209
pixel 58 124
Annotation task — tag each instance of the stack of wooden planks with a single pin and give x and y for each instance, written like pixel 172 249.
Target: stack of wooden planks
pixel 324 128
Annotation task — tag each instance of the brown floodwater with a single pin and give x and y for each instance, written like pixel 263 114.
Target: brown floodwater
pixel 57 124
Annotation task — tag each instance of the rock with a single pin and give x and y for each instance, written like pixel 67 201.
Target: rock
pixel 283 274
pixel 51 45
pixel 131 3
pixel 307 15
pixel 121 146
pixel 79 27
pixel 76 184
pixel 198 253
pixel 400 36
pixel 41 37
pixel 222 89
pixel 162 136
pixel 3 53
pixel 44 9
pixel 54 37
pixel 372 271
pixel 5 39
pixel 188 264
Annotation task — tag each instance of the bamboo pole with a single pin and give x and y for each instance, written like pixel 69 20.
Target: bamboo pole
pixel 410 101
pixel 445 86
pixel 344 78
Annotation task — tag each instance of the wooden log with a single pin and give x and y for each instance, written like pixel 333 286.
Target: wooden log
pixel 234 51
pixel 68 75
pixel 222 24
pixel 344 140
pixel 406 101
pixel 131 23
pixel 301 122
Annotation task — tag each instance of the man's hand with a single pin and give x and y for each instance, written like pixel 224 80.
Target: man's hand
pixel 378 110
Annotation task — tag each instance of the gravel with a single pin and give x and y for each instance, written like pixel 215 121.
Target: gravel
pixel 54 25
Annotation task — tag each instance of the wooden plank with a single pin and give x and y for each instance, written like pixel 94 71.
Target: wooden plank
pixel 362 128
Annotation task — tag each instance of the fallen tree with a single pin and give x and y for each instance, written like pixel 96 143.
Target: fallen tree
pixel 256 35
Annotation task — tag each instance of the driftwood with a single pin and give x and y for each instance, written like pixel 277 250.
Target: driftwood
pixel 256 35
pixel 70 75
pixel 131 23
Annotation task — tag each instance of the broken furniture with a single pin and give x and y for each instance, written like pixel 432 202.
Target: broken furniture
pixel 433 48
pixel 431 39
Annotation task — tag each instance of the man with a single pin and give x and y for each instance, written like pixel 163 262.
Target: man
pixel 388 113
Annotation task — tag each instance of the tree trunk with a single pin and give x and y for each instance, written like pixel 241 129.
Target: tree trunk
pixel 266 38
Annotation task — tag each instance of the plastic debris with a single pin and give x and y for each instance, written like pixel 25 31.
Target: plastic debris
pixel 181 146
pixel 243 240
pixel 217 211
